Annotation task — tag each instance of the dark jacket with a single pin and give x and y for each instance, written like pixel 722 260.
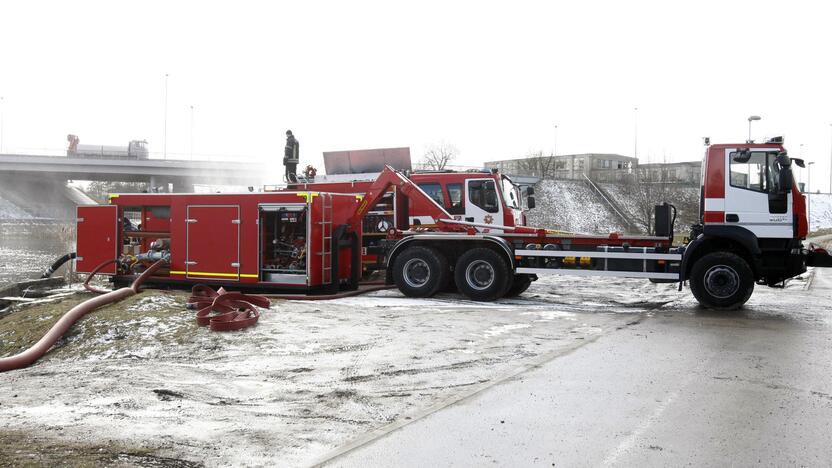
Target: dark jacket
pixel 291 155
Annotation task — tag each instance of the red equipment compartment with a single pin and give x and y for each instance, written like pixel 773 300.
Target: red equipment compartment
pixel 213 242
pixel 98 241
pixel 238 239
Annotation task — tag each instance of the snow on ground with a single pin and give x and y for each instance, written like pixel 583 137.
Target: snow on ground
pixel 570 205
pixel 309 377
pixel 820 207
pixel 313 376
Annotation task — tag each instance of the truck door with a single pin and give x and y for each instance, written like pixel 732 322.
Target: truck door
pixel 213 242
pixel 753 199
pixel 483 204
pixel 97 231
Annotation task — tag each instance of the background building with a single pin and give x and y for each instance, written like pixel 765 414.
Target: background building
pixel 599 167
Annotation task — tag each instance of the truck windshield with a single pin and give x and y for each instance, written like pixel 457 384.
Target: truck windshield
pixel 511 194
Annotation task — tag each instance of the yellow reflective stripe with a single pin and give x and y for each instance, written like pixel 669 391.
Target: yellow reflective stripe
pixel 205 273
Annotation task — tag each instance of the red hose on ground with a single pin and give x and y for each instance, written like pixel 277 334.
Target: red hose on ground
pixel 55 333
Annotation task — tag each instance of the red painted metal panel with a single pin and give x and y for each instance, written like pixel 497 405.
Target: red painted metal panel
pixel 714 217
pixel 213 247
pixel 97 231
pixel 715 173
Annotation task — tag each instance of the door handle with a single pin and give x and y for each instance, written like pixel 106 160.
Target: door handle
pixel 732 218
pixel 470 219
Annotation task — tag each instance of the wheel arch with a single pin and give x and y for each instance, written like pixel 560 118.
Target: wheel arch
pixel 732 239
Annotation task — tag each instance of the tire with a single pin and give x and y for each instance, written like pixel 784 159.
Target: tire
pixel 721 280
pixel 519 286
pixel 482 274
pixel 420 271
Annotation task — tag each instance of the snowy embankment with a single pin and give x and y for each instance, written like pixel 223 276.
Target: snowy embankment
pixel 569 205
pixel 820 207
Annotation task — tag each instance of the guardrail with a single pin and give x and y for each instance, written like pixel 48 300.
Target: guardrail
pixel 614 206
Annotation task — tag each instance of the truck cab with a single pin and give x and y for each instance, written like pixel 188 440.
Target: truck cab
pixel 752 217
pixel 481 197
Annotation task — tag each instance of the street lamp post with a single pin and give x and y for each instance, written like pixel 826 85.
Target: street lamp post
pixel 2 108
pixel 166 117
pixel 800 176
pixel 809 192
pixel 555 151
pixel 192 132
pixel 635 132
pixel 830 159
pixel 751 118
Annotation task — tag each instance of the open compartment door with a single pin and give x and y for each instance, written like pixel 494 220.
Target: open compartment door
pixel 97 237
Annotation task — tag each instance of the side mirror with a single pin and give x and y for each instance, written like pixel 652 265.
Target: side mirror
pixel 530 203
pixel 786 181
pixel 530 190
pixel 799 162
pixel 742 155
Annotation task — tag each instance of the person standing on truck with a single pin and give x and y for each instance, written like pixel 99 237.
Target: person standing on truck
pixel 291 157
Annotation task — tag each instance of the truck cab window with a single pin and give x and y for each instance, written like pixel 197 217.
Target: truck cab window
pixel 752 174
pixel 483 193
pixel 455 199
pixel 434 191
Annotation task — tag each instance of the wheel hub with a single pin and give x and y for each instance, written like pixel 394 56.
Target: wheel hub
pixel 416 272
pixel 721 281
pixel 479 274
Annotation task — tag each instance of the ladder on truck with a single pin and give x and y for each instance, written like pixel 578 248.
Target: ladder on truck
pixel 326 238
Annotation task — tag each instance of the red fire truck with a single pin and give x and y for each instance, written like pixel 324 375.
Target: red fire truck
pixel 753 222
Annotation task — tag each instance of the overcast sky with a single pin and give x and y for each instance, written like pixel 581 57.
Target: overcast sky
pixel 491 78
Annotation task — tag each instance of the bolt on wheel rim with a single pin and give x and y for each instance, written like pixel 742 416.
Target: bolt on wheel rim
pixel 479 275
pixel 721 281
pixel 416 272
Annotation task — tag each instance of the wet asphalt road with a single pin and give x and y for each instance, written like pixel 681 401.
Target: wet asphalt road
pixel 682 387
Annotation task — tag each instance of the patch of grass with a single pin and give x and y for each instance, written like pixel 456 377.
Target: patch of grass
pixel 114 330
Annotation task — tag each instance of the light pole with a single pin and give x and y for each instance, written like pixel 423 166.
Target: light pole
pixel 830 158
pixel 809 192
pixel 166 116
pixel 2 108
pixel 751 119
pixel 555 151
pixel 800 176
pixel 192 132
pixel 635 132
pixel 809 175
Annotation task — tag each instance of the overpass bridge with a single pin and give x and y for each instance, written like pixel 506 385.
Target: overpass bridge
pixel 182 174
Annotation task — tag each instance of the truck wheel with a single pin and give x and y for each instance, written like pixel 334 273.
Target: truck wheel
pixel 482 275
pixel 420 271
pixel 721 280
pixel 520 285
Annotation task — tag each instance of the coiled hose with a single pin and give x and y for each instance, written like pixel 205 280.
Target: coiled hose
pixel 55 333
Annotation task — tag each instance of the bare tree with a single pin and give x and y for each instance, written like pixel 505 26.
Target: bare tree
pixel 438 155
pixel 648 187
pixel 536 164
